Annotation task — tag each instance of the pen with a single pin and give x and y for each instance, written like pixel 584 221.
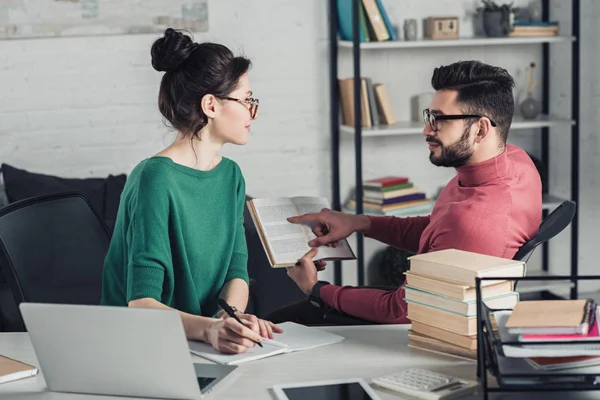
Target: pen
pixel 231 313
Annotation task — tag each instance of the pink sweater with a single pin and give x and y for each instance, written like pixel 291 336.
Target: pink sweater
pixel 492 208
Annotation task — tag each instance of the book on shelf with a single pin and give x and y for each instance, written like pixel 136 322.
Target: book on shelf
pixel 384 105
pixel 461 266
pixel 386 182
pixel 391 195
pixel 541 28
pixel 284 242
pixel 374 22
pixel 374 103
pixel 552 317
pixel 347 102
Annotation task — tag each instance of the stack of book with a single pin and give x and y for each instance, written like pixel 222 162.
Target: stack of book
pixel 392 195
pixel 559 322
pixel 441 299
pixel 375 105
pixel 528 29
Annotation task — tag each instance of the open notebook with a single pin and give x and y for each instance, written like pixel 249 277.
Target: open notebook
pixel 295 337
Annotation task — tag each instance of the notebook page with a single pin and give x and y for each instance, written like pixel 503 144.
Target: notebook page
pixel 205 350
pixel 299 337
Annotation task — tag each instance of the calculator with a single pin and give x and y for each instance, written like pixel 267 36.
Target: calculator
pixel 427 385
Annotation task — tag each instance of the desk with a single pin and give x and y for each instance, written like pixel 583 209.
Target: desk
pixel 368 351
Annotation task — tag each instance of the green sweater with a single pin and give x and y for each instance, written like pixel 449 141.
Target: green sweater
pixel 179 236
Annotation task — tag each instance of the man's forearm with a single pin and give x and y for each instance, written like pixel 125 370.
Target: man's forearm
pixel 235 293
pixel 386 307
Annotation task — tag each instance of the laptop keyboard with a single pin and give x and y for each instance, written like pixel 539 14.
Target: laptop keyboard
pixel 204 382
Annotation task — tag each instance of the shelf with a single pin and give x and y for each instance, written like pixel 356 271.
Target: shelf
pixel 538 286
pixel 414 128
pixel 475 41
pixel 549 202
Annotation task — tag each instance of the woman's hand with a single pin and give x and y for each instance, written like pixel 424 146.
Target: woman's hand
pixel 262 327
pixel 229 336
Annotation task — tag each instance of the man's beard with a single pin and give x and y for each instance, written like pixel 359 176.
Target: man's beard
pixel 454 155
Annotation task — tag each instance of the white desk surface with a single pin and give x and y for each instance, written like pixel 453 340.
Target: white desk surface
pixel 367 352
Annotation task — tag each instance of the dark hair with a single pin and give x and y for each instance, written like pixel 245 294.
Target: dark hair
pixel 192 71
pixel 482 89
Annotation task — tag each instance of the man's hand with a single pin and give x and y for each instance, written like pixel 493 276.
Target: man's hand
pixel 305 272
pixel 331 226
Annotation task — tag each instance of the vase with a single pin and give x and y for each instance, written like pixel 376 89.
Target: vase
pixel 530 107
pixel 410 29
pixel 494 24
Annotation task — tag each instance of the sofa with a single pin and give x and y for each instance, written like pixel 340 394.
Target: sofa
pixel 270 288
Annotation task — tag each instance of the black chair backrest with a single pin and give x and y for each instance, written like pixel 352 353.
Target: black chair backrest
pixel 52 250
pixel 554 223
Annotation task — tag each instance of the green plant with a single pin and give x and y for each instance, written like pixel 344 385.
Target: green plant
pixel 505 9
pixel 490 6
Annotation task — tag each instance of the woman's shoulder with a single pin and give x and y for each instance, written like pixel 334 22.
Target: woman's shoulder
pixel 151 173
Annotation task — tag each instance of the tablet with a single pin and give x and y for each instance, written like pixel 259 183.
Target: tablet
pixel 343 389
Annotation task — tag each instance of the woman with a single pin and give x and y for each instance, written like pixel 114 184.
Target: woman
pixel 179 241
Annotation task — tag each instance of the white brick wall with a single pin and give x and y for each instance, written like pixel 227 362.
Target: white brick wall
pixel 87 106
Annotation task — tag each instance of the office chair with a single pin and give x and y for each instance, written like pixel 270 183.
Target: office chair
pixel 52 250
pixel 554 223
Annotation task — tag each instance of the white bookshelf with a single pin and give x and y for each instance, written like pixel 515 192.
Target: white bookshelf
pixel 461 42
pixel 414 128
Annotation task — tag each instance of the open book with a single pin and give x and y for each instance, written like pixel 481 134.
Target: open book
pixel 295 337
pixel 285 243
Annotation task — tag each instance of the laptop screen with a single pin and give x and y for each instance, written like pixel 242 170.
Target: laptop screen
pixel 204 382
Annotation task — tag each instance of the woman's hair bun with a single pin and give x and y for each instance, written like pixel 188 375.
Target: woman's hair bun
pixel 171 50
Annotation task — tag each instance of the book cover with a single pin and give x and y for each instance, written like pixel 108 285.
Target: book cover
pixel 386 181
pixel 386 20
pixel 464 266
pixel 457 291
pixel 466 308
pixel 344 8
pixel 552 317
pixel 12 370
pixel 395 200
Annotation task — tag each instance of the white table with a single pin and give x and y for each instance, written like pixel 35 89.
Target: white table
pixel 368 351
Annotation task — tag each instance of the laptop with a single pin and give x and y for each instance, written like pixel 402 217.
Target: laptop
pixel 118 351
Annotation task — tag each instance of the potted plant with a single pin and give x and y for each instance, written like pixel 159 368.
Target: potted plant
pixel 496 18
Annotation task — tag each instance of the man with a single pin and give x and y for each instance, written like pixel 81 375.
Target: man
pixel 492 206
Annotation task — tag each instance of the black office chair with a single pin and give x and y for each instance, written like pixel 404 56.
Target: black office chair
pixel 52 250
pixel 554 224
